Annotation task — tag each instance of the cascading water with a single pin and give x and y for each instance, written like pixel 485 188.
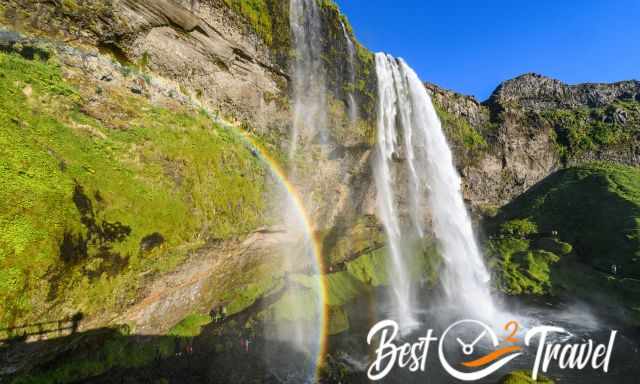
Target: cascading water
pixel 299 311
pixel 409 128
pixel 309 78
pixel 351 74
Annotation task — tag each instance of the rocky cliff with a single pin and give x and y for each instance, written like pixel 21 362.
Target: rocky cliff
pixel 552 167
pixel 533 125
pixel 129 79
pixel 137 195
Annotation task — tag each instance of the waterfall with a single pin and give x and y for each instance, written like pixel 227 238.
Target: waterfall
pixel 299 309
pixel 351 75
pixel 308 79
pixel 409 129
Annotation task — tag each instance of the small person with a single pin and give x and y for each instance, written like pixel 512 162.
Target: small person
pixel 214 313
pixel 190 347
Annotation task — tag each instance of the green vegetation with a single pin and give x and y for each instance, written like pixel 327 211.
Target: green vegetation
pixel 268 18
pixel 462 135
pixel 117 349
pixel 338 321
pixel 519 227
pixel 371 268
pixel 70 6
pixel 588 129
pixel 190 326
pixel 342 244
pixel 257 13
pixel 524 377
pixel 568 231
pixel 594 207
pixel 524 257
pixel 259 281
pixel 358 278
pixel 98 195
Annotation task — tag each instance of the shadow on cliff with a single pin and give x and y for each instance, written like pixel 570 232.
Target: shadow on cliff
pixel 230 349
pixel 232 353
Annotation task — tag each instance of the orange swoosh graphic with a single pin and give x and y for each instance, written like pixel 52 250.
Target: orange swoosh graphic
pixel 491 357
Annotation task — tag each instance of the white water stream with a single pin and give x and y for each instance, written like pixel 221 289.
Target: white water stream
pixel 409 130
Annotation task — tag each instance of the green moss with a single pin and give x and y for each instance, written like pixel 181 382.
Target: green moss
pixel 338 321
pixel 577 131
pixel 587 219
pixel 519 227
pixel 575 203
pixel 84 185
pixel 343 288
pixel 342 244
pixel 116 350
pixel 461 134
pixel 295 305
pixel 70 6
pixel 371 268
pixel 554 246
pixel 268 18
pixel 523 377
pixel 190 326
pixel 524 265
pixel 522 270
pixel 257 13
pixel 260 285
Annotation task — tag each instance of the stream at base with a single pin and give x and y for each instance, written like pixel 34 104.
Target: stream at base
pixel 220 357
pixel 582 321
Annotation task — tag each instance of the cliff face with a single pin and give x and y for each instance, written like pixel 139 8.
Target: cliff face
pixel 209 50
pixel 552 167
pixel 146 231
pixel 536 92
pixel 533 125
pixel 124 59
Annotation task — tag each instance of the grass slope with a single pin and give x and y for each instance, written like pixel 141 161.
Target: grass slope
pixel 568 230
pixel 100 188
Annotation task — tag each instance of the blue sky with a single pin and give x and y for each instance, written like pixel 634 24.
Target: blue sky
pixel 471 46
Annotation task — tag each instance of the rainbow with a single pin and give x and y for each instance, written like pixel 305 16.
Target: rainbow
pixel 309 230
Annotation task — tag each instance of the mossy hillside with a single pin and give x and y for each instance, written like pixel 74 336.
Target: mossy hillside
pixel 593 207
pixel 270 20
pixel 582 130
pixel 346 132
pixel 523 258
pixel 96 195
pixel 593 212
